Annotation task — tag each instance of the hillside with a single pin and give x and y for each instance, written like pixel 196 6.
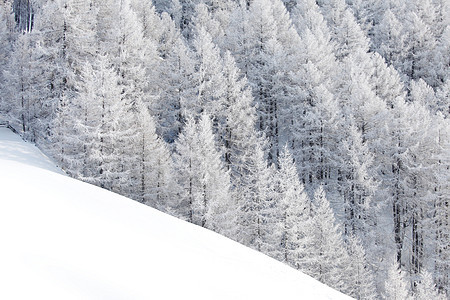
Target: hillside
pixel 64 239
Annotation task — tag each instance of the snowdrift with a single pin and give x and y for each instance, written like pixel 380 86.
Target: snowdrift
pixel 65 239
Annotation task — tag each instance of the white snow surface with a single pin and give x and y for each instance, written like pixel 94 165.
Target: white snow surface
pixel 64 239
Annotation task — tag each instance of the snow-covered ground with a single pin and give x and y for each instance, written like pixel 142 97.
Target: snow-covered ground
pixel 64 239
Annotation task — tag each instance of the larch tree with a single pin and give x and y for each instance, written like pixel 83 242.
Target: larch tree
pixel 436 222
pixel 219 209
pixel 426 289
pixel 122 38
pixel 396 285
pixel 245 158
pixel 175 81
pixel 152 32
pixel 346 32
pixel 362 282
pixel 318 135
pixel 204 17
pixel 329 261
pixel 154 169
pixel 5 51
pixel 420 46
pixel 443 95
pixel 239 134
pixel 357 186
pixel 104 129
pixel 204 183
pixel 271 47
pixel 18 91
pixel 386 81
pixel 209 81
pixel 389 39
pixel 257 211
pixel 24 12
pixel 294 213
pixel 411 192
pixel 424 94
pixel 182 12
pixel 67 41
pixel 186 169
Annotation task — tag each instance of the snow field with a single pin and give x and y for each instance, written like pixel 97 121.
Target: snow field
pixel 65 239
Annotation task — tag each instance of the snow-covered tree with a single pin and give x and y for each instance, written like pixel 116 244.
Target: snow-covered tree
pixel 65 42
pixel 329 261
pixel 294 213
pixel 182 12
pixel 440 209
pixel 175 82
pixel 257 207
pixel 154 169
pixel 24 12
pixel 420 45
pixel 362 282
pixel 396 286
pixel 389 39
pixel 204 17
pixel 317 142
pixel 271 46
pixel 133 56
pixel 209 80
pixel 205 185
pixel 346 32
pixel 5 50
pixel 105 130
pixel 18 95
pixel 357 187
pixel 386 81
pixel 426 289
pixel 239 134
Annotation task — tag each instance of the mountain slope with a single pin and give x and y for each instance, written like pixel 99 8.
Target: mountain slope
pixel 65 239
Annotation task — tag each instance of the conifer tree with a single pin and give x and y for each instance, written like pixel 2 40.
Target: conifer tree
pixel 186 169
pixel 317 142
pixel 204 17
pixel 389 39
pixel 421 92
pixel 426 289
pixel 175 82
pixel 132 55
pixel 106 130
pixel 420 46
pixel 258 219
pixel 396 286
pixel 443 98
pixel 440 209
pixel 346 32
pixel 239 135
pixel 205 185
pixel 357 187
pixel 182 12
pixel 362 282
pixel 271 46
pixel 67 41
pixel 18 91
pixel 386 81
pixel 154 169
pixel 330 259
pixel 5 52
pixel 209 80
pixel 294 213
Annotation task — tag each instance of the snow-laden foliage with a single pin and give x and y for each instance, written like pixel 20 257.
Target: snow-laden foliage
pixel 316 132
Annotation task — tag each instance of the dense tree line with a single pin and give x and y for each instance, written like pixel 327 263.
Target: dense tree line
pixel 316 132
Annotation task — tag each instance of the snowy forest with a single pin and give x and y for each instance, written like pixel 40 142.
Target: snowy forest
pixel 314 131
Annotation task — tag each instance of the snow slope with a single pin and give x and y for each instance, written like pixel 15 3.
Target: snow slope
pixel 64 239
